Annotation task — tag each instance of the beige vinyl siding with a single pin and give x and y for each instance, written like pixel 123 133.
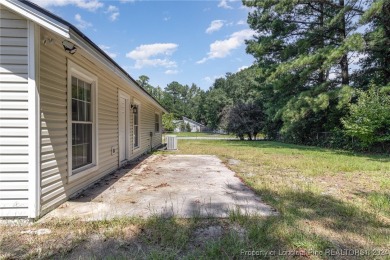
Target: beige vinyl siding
pixel 54 135
pixel 13 115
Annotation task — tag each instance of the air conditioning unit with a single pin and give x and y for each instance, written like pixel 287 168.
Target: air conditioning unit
pixel 171 141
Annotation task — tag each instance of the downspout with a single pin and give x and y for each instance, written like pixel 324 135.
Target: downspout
pixel 33 123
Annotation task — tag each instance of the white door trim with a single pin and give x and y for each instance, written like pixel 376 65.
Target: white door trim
pixel 122 94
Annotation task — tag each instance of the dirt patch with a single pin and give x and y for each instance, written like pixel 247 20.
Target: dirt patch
pixel 208 233
pixel 233 162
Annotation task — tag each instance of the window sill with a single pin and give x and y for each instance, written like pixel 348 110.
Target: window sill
pixel 80 174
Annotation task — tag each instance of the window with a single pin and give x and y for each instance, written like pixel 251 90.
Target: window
pixel 157 123
pixel 82 111
pixel 136 127
pixel 81 123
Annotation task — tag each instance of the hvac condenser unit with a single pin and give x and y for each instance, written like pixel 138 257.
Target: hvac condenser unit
pixel 171 141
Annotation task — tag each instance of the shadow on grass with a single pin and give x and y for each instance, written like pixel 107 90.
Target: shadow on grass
pixel 324 221
pixel 308 223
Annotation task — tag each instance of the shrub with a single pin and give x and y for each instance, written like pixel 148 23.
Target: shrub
pixel 369 117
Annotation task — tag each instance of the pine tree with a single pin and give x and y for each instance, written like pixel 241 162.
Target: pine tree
pixel 299 44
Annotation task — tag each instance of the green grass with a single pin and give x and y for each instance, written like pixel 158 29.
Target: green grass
pixel 326 199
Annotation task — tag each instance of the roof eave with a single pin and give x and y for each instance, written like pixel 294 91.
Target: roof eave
pixel 65 29
pixel 40 18
pixel 90 47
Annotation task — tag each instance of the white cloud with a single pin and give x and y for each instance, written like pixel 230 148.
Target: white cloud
pixel 224 4
pixel 246 8
pixel 114 16
pixel 171 72
pixel 241 22
pixel 82 24
pixel 143 53
pixel 106 49
pixel 112 8
pixel 202 61
pixel 166 18
pixel 148 50
pixel 208 79
pixel 166 63
pixel 113 12
pixel 221 49
pixel 242 68
pixel 126 1
pixel 215 26
pixel 90 5
pixel 212 79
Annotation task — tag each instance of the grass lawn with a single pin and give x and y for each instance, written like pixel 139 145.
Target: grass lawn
pixel 331 203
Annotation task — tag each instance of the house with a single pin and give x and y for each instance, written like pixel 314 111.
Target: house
pixel 68 113
pixel 195 126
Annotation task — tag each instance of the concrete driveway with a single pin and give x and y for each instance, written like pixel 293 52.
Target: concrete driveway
pixel 166 185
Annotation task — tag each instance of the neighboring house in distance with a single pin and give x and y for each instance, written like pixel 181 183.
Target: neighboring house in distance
pixel 195 126
pixel 69 114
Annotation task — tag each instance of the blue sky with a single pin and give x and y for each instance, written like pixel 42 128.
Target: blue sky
pixel 184 41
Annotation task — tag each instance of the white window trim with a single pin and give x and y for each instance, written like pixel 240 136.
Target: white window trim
pixel 159 122
pixel 83 74
pixel 138 104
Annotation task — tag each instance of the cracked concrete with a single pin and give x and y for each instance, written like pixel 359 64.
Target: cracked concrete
pixel 166 185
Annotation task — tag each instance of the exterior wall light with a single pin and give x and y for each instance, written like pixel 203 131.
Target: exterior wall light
pixel 69 47
pixel 135 109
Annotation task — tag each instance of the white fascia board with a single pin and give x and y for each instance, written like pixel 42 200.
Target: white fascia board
pixel 102 59
pixel 37 17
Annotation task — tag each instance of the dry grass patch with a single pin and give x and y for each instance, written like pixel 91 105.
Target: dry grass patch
pixel 326 200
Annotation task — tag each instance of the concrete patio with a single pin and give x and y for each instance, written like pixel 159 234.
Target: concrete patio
pixel 166 185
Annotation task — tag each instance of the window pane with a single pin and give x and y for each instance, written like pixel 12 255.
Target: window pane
pixel 75 116
pixel 81 145
pixel 87 133
pixel 87 92
pixel 74 158
pixel 136 118
pixel 84 158
pixel 135 136
pixel 79 134
pixel 81 112
pixel 80 94
pixel 77 156
pixel 87 111
pixel 73 134
pixel 89 153
pixel 74 87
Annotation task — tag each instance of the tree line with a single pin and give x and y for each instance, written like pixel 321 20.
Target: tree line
pixel 321 77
